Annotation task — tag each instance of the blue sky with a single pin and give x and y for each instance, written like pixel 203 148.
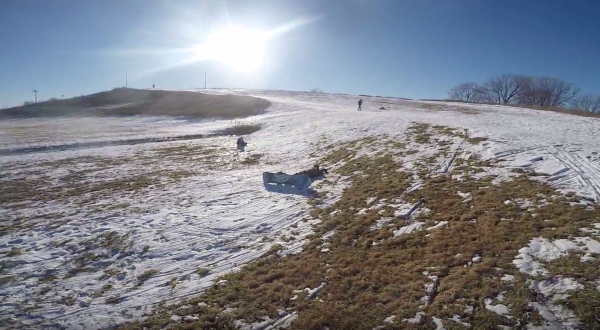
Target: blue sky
pixel 407 48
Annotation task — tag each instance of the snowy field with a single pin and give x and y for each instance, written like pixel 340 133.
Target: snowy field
pixel 93 237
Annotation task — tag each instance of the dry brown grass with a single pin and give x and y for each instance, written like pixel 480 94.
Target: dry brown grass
pixel 252 159
pixel 241 127
pixel 559 109
pixel 370 274
pixel 143 277
pixel 444 107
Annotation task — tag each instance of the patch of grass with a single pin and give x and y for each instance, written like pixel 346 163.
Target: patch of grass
pixel 252 159
pixel 47 277
pixel 6 279
pixel 13 252
pixel 446 107
pixel 68 300
pixel 105 288
pixel 111 273
pixel 572 266
pixel 203 271
pixel 586 305
pixel 76 271
pixel 274 249
pixel 172 283
pixel 476 140
pixel 113 300
pixel 145 276
pixel 241 127
pixel 112 241
pixel 419 132
pixel 61 243
pixel 44 290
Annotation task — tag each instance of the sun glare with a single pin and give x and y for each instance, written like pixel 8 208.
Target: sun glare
pixel 241 49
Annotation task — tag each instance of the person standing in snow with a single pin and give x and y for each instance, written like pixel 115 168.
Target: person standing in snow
pixel 359 105
pixel 241 144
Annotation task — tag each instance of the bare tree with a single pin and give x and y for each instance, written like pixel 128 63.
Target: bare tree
pixel 587 102
pixel 316 90
pixel 35 91
pixel 505 88
pixel 465 92
pixel 483 95
pixel 547 91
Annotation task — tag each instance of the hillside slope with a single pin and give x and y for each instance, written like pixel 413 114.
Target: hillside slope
pixel 434 215
pixel 127 101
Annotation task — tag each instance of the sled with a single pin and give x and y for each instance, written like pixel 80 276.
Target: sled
pixel 301 181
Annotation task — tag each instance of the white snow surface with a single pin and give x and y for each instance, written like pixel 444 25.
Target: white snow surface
pixel 416 319
pixel 216 219
pixel 499 309
pixel 544 249
pixel 439 324
pixel 409 228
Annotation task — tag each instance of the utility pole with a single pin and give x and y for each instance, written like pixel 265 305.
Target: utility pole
pixel 35 91
pixel 204 79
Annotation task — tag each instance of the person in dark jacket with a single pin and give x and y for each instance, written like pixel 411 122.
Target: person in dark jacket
pixel 241 144
pixel 314 172
pixel 359 105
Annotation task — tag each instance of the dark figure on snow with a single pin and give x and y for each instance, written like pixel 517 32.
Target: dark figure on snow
pixel 359 105
pixel 314 172
pixel 152 85
pixel 241 144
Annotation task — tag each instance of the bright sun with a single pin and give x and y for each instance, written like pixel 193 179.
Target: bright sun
pixel 241 49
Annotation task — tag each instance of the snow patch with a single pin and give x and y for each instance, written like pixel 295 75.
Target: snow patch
pixel 456 318
pixel 389 319
pixel 438 323
pixel 499 309
pixel 439 225
pixel 507 278
pixel 312 293
pixel 416 319
pixel 409 229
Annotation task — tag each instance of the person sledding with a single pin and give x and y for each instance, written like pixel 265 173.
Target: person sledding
pixel 241 144
pixel 301 180
pixel 314 172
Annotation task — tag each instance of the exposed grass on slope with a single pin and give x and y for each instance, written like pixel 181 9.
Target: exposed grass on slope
pixel 367 272
pixel 444 107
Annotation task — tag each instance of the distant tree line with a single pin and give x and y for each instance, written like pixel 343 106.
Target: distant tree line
pixel 545 92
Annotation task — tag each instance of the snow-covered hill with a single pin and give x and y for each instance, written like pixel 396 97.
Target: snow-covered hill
pixel 93 237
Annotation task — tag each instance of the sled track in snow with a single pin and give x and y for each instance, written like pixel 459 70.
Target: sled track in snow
pixel 584 169
pixel 216 234
pixel 575 169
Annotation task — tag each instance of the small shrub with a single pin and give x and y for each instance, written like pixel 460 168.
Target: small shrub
pixel 113 300
pixel 241 127
pixel 145 276
pixel 203 271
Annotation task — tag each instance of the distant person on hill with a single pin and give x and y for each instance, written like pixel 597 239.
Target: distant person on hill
pixel 359 105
